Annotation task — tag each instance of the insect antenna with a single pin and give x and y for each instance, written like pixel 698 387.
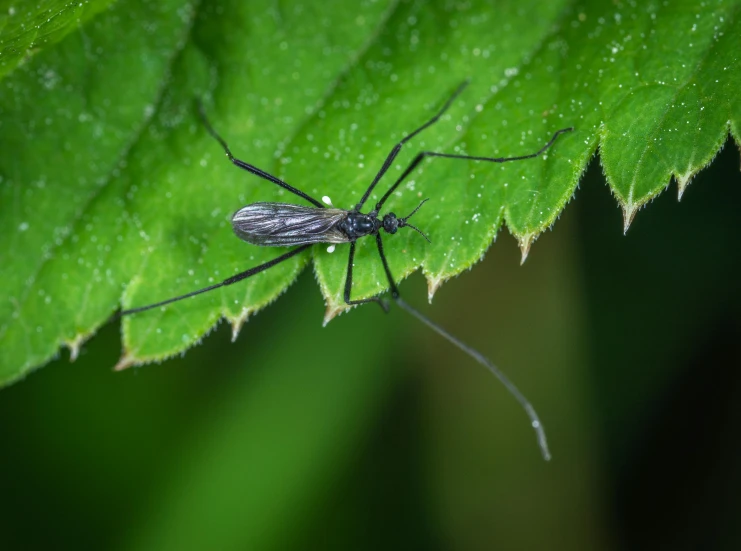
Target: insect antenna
pixel 415 228
pixel 420 232
pixel 483 360
pixel 403 221
pixel 408 216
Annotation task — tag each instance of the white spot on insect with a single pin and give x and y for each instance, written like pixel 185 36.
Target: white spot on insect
pixel 23 226
pixel 327 200
pixel 330 249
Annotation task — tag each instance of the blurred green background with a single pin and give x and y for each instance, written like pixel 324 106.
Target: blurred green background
pixel 372 432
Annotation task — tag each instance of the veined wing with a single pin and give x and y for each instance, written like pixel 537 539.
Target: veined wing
pixel 285 225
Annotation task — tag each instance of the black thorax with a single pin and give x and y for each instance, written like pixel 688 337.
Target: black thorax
pixel 356 225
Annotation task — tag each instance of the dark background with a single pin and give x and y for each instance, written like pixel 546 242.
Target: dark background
pixel 629 347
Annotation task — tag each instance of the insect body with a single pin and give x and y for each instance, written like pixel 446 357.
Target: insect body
pixel 288 225
pixel 284 224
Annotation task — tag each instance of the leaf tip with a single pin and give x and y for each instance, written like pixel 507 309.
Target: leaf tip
pixel 629 213
pixel 74 346
pixel 125 362
pixel 682 182
pixel 332 311
pixel 74 351
pixel 237 323
pixel 433 284
pixel 525 242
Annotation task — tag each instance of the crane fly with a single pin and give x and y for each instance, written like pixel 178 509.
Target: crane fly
pixel 271 224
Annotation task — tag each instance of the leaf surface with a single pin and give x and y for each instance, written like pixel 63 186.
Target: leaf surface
pixel 112 193
pixel 28 27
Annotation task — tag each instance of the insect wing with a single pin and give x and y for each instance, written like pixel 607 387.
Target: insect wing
pixel 284 225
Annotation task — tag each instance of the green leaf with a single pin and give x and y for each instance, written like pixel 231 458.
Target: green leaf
pixel 112 192
pixel 28 27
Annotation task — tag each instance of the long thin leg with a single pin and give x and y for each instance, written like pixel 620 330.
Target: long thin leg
pixel 392 283
pixel 420 156
pixel 397 147
pixel 475 354
pixel 348 284
pixel 251 168
pixel 228 281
